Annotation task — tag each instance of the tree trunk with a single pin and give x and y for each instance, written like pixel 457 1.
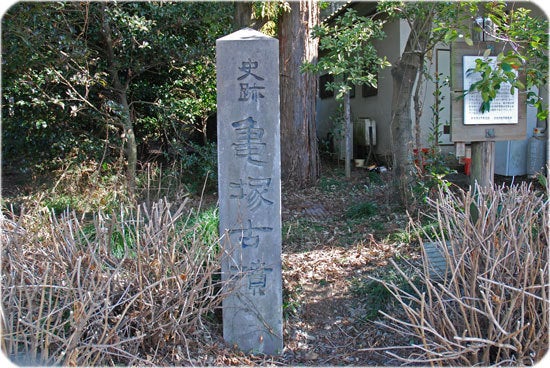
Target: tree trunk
pixel 401 126
pixel 120 90
pixel 130 144
pixel 299 154
pixel 348 131
pixel 418 107
pixel 405 72
pixel 243 16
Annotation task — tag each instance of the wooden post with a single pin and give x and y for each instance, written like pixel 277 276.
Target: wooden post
pixel 483 164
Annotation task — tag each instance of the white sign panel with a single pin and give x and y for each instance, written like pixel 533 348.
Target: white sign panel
pixel 504 107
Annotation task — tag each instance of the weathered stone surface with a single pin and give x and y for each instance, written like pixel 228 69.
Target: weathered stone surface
pixel 249 186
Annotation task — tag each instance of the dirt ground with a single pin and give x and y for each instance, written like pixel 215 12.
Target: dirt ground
pixel 327 252
pixel 327 325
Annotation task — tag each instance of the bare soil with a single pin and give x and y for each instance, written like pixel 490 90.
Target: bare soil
pixel 325 321
pixel 327 250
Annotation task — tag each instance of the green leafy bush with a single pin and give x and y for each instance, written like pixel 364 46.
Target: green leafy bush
pixel 362 210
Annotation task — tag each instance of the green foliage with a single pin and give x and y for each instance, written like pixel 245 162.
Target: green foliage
pixel 450 20
pixel 376 295
pixel 82 186
pixel 362 210
pixel 205 227
pixel 413 235
pixel 270 11
pixel 432 166
pixel 523 65
pixel 301 231
pixel 493 78
pixel 123 240
pixel 57 76
pixel 375 178
pixel 330 184
pixel 291 303
pixel 61 203
pixel 436 108
pixel 432 170
pixel 543 181
pixel 200 165
pixel 348 52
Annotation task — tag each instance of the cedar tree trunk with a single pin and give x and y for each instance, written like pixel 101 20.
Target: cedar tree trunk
pixel 299 154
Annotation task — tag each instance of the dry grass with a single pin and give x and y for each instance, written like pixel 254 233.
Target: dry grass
pixel 129 288
pixel 491 307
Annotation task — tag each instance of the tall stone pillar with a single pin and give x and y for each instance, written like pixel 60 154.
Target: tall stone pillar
pixel 249 187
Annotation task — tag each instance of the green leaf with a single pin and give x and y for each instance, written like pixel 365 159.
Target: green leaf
pixel 485 107
pixel 519 85
pixel 468 41
pixel 542 115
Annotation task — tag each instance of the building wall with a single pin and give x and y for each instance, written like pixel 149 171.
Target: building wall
pixel 378 107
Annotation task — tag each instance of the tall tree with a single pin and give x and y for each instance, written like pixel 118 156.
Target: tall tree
pixel 405 73
pixel 74 72
pixel 299 152
pixel 350 57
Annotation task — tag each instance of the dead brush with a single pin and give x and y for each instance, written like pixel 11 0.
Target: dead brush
pixel 491 306
pixel 67 299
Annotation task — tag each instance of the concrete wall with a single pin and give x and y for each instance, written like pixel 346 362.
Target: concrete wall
pixel 379 107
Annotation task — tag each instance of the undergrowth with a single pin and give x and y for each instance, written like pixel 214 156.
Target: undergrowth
pixel 374 295
pixel 127 287
pixel 490 305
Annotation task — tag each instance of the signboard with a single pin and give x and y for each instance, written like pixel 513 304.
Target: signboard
pixel 506 118
pixel 504 107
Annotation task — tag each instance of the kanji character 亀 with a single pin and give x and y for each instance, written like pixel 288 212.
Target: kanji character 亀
pixel 248 142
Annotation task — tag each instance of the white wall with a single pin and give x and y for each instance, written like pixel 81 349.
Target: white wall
pixel 379 107
pixel 376 107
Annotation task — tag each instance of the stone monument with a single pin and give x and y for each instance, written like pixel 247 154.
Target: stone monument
pixel 249 188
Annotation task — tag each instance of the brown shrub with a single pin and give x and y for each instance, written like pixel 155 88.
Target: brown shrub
pixel 122 288
pixel 491 305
